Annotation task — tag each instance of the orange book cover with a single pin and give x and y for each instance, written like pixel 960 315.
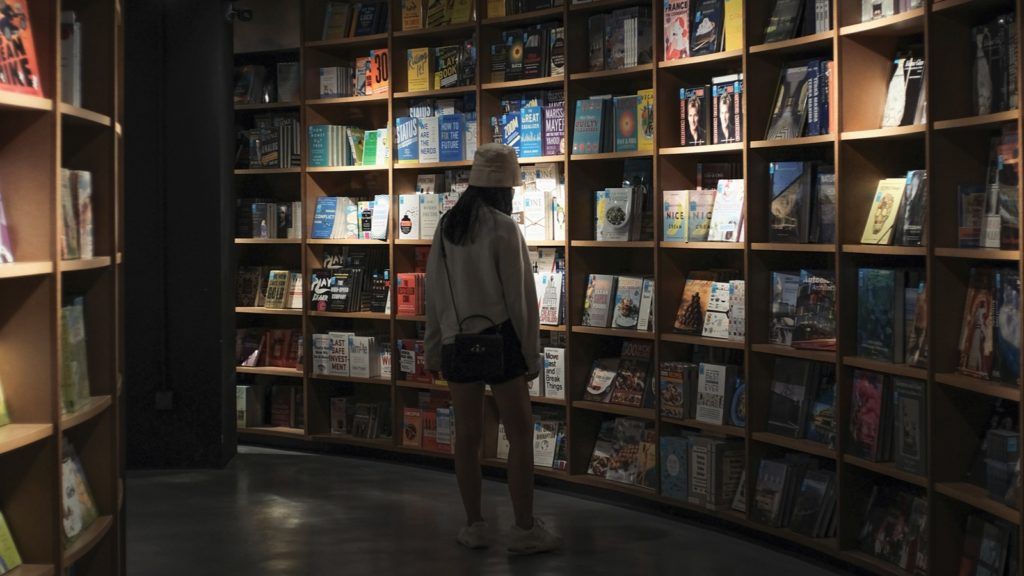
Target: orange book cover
pixel 19 68
pixel 411 427
pixel 380 70
pixel 430 431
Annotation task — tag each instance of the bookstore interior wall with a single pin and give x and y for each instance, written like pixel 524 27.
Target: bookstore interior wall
pixel 61 483
pixel 777 251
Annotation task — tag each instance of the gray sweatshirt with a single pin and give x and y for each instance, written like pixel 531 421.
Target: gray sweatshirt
pixel 491 276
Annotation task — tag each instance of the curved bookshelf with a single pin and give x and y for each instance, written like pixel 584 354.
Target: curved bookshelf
pixel 524 17
pixel 85 264
pixel 32 570
pixel 88 540
pixel 83 116
pixel 15 436
pixel 92 409
pixel 804 44
pixel 902 24
pixel 716 58
pixel 22 269
pixel 15 101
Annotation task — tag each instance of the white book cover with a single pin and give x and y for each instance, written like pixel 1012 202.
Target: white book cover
pixel 339 364
pixel 718 300
pixel 545 259
pixel 381 217
pixel 351 222
pixel 551 299
pixel 363 360
pixel 296 229
pixel 384 359
pixel 544 436
pixel 83 189
pixel 339 416
pixel 737 310
pixel 711 393
pixel 429 183
pixel 644 322
pixel 614 207
pixel 501 450
pixel 295 293
pixel 535 214
pixel 554 372
pixel 558 214
pixel 676 212
pixel 449 200
pixel 409 217
pixel 330 87
pixel 445 430
pixel 321 353
pixel 471 137
pixel 383 147
pixel 70 58
pixel 727 215
pixel 535 387
pixel 716 325
pixel 429 139
pixel 430 214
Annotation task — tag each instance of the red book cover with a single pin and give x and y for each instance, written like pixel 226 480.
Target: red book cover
pixel 19 69
pixel 281 402
pixel 407 295
pixel 422 253
pixel 430 431
pixel 277 354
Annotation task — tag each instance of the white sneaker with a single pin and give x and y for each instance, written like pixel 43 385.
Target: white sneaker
pixel 533 541
pixel 474 536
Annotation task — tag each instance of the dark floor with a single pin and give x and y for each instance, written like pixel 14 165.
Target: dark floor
pixel 279 513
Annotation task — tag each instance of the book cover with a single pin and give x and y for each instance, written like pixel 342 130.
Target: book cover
pixel 79 508
pixel 379 80
pixel 706 27
pixel 910 230
pixel 676 212
pixel 597 301
pixel 1007 362
pixel 627 302
pixel 534 49
pixel 906 85
pixel 792 380
pixel 715 386
pixel 675 457
pixel 970 212
pixel 782 24
pixel 702 204
pixel 810 501
pixel 429 214
pixel 977 329
pixel 531 126
pixel 6 248
pixel 452 131
pixel 785 292
pixel 428 131
pixel 789 216
pixel 693 104
pixel 737 310
pixel 614 213
pixel 910 442
pixel 885 205
pixel 602 374
pixel 727 217
pixel 677 382
pixel 446 66
pixel 408 217
pixel 645 120
pixel 587 126
pixel 625 123
pixel 554 372
pixel 412 14
pixel 815 314
pixel 412 427
pixel 17 47
pixel 598 44
pixel 634 374
pixel 646 320
pixel 554 129
pixel 514 54
pixel 770 492
pixel 821 418
pixel 868 397
pixel 789 112
pixel 733 25
pixel 694 302
pixel 823 206
pixel 407 139
pixel 727 111
pixel 676 29
pixel 418 64
pixel 880 314
pixel 511 130
pixel 556 51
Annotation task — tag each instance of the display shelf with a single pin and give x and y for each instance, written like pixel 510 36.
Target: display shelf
pixel 351 315
pixel 894 133
pixel 615 332
pixel 600 6
pixel 95 406
pixel 353 379
pixel 902 24
pixel 610 244
pixel 268 311
pixel 411 384
pixel 548 401
pixel 266 106
pixel 798 444
pixel 792 247
pixel 795 142
pixel 269 371
pixel 421 452
pixel 541 159
pixel 12 101
pixel 529 83
pixel 346 242
pixel 439 93
pixel 434 165
pixel 369 40
pixel 22 269
pixel 718 429
pixel 1006 391
pixel 537 470
pixel 631 489
pixel 965 7
pixel 529 17
pixel 358 168
pixel 544 243
pixel 977 497
pixel 268 241
pixel 811 43
pixel 84 264
pixel 779 350
pixel 674 245
pixel 608 156
pixel 695 340
pixel 617 74
pixel 886 367
pixel 448 31
pixel 421 242
pixel 412 318
pixel 878 249
pixel 553 328
pixel 827 545
pixel 14 436
pixel 32 570
pixel 875 565
pixel 265 171
pixel 88 540
pixel 978 254
pixel 715 58
pixel 380 443
pixel 274 431
pixel 982 122
pixel 83 116
pixel 349 100
pixel 736 147
pixel 607 408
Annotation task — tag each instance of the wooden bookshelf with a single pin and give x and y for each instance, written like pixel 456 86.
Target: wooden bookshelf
pixel 952 146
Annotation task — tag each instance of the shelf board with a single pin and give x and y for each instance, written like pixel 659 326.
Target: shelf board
pixel 965 6
pixel 798 444
pixel 810 43
pixel 95 406
pixel 439 93
pixel 608 156
pixel 541 159
pixel 545 243
pixel 441 387
pixel 894 133
pixel 358 168
pixel 880 249
pixel 638 244
pixel 346 242
pixel 978 253
pixel 269 371
pixel 548 401
pixel 268 241
pixel 792 247
pixel 601 5
pixel 85 264
pixel 724 57
pixel 720 429
pixel 618 73
pixel 887 469
pixel 22 269
pixel 872 564
pixel 409 242
pixel 434 165
pixel 632 489
pixel 352 315
pixel 524 17
pixel 437 32
pixel 675 245
pixel 902 24
pixel 83 116
pixel 348 100
pixel 275 431
pixel 778 350
pixel 537 470
pixel 16 101
pixel 616 332
pixel 701 341
pixel 346 440
pixel 886 367
pixel 268 311
pixel 351 41
pixel 32 570
pixel 1007 391
pixel 14 436
pixel 411 318
pixel 552 328
pixel 423 452
pixel 353 379
pixel 793 142
pixel 87 540
pixel 977 497
pixel 732 147
pixel 982 122
pixel 267 106
pixel 535 83
pixel 265 171
pixel 607 408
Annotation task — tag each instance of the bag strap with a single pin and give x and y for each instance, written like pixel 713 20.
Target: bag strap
pixel 451 288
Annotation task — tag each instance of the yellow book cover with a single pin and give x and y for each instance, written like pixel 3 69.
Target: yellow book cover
pixel 645 119
pixel 9 557
pixel 412 14
pixel 884 208
pixel 733 24
pixel 461 11
pixel 495 8
pixel 418 60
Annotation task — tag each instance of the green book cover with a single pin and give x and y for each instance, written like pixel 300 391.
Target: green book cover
pixel 9 557
pixel 79 505
pixel 370 148
pixel 74 382
pixel 5 418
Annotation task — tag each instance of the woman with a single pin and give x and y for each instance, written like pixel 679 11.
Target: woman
pixel 481 246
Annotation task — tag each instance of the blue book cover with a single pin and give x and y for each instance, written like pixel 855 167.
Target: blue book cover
pixel 510 130
pixel 407 138
pixel 318 145
pixel 531 129
pixel 675 452
pixel 452 138
pixel 323 218
pixel 625 123
pixel 586 135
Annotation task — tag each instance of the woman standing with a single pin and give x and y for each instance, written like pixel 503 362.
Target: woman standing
pixel 479 280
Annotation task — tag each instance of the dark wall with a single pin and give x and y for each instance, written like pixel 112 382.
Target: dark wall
pixel 178 252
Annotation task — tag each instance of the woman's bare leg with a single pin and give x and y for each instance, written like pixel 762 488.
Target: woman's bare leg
pixel 468 401
pixel 513 400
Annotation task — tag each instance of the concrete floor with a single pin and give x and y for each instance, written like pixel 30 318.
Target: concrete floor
pixel 281 513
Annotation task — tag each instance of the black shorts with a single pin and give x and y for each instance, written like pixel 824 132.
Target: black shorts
pixel 514 363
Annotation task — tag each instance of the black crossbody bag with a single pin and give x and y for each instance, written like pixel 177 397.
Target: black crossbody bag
pixel 471 357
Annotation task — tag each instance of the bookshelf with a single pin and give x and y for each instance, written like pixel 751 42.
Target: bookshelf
pixel 951 144
pixel 41 135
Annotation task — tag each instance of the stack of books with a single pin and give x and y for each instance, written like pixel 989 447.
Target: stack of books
pixel 609 123
pixel 331 146
pixel 625 451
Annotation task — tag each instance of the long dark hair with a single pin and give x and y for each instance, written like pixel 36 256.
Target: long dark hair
pixel 460 221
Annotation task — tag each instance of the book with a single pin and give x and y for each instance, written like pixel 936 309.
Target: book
pixel 881 221
pixel 785 290
pixel 554 129
pixel 727 109
pixel 727 216
pixel 868 413
pixel 531 127
pixel 676 212
pixel 21 69
pixel 79 509
pixel 822 418
pixel 419 69
pixel 429 144
pixel 693 103
pixel 277 289
pixel 614 214
pixel 6 247
pixel 707 35
pixel 69 219
pixel 1007 356
pixel 970 212
pixel 413 12
pixel 789 111
pixel 645 120
pixel 994 66
pixel 702 204
pixel 625 123
pixel 646 320
pixel 880 310
pixel 906 87
pixel 813 501
pixel 677 387
pixel 976 345
pixel 715 387
pixel 676 29
pixel 733 25
pixel 1001 222
pixel 597 302
pixel 588 126
pixel 910 224
pixel 693 304
pixel 534 52
pixel 554 372
pixel 602 375
pixel 716 319
pixel 782 24
pixel 556 51
pixel 675 458
pixel 74 389
pixel 769 492
pixel 815 314
pixel 788 403
pixel 408 216
pixel 791 199
pixel 910 441
pixel 635 372
pixel 71 58
pixel 407 139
